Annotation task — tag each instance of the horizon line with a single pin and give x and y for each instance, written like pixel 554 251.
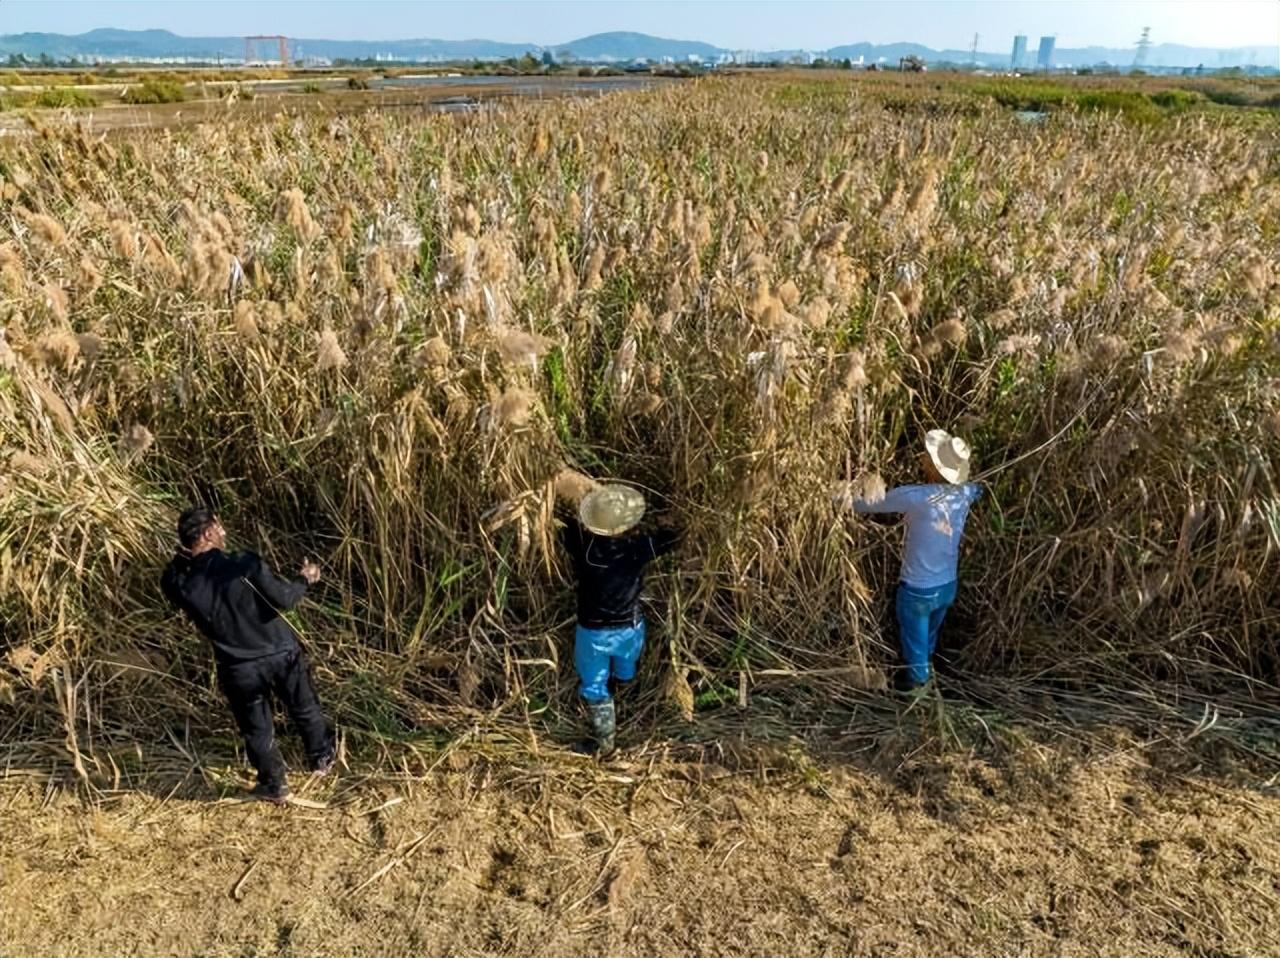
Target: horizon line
pixel 547 46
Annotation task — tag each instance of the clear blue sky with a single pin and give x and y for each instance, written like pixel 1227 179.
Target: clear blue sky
pixel 739 24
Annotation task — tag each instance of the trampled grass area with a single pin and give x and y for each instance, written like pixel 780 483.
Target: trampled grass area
pixel 1024 825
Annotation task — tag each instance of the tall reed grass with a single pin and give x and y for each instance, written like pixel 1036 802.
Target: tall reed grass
pixel 388 340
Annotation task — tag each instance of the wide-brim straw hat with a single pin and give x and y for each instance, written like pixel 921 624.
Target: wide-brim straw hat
pixel 611 510
pixel 949 455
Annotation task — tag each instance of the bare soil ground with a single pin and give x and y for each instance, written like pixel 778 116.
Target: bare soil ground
pixel 886 831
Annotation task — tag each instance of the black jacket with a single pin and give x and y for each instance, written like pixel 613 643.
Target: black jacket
pixel 610 573
pixel 235 600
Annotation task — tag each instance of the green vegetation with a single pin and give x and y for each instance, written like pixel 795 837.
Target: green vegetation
pixel 155 90
pixel 64 97
pixel 1178 99
pixel 1132 96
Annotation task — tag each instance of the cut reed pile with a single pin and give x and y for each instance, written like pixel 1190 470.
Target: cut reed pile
pixel 382 340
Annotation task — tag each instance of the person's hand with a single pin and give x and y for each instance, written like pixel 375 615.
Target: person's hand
pixel 310 572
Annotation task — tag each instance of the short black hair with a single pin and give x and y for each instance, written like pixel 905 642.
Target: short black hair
pixel 193 523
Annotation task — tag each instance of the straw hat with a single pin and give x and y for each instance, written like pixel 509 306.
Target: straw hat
pixel 949 454
pixel 611 510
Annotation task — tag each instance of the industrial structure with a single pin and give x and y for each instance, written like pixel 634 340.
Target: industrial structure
pixel 249 43
pixel 1044 59
pixel 1144 44
pixel 1019 55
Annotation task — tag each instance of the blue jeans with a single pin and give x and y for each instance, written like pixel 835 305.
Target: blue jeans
pixel 599 653
pixel 920 615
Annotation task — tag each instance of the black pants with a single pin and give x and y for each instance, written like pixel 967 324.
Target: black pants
pixel 249 686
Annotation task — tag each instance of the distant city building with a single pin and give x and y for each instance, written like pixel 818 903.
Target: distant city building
pixel 1019 52
pixel 1044 60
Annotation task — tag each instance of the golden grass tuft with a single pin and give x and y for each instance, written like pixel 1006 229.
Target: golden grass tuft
pixel 136 440
pixel 854 373
pixel 1181 345
pixel 13 276
pixel 949 331
pixel 519 347
pixel 57 301
pixel 8 358
pixel 90 346
pixel 435 352
pixel 45 228
pixel 22 461
pixel 1271 425
pixel 833 239
pixel 573 486
pixel 88 278
pixel 59 348
pixel 329 354
pixel 295 213
pixel 245 319
pixel 1025 344
pixel 514 408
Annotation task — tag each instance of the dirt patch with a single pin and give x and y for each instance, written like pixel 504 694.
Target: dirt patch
pixel 715 850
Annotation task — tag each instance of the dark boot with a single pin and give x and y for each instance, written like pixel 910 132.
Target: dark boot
pixel 275 793
pixel 604 725
pixel 324 765
pixel 908 689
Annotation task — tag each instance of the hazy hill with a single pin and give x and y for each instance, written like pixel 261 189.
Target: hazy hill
pixel 631 46
pixel 619 45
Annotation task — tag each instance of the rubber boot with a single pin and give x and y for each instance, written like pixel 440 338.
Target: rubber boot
pixel 604 724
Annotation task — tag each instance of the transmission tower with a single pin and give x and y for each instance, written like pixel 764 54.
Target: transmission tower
pixel 283 43
pixel 1144 44
pixel 973 54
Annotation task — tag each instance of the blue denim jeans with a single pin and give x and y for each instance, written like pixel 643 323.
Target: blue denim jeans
pixel 920 615
pixel 600 653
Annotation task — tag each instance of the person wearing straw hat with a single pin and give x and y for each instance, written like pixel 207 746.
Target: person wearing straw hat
pixel 935 515
pixel 609 559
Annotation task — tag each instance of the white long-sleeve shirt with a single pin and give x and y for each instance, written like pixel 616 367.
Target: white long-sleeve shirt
pixel 935 516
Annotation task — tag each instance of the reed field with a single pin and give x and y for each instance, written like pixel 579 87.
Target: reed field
pixel 404 344
pixel 396 342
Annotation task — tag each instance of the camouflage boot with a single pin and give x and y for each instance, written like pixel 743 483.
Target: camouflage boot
pixel 604 725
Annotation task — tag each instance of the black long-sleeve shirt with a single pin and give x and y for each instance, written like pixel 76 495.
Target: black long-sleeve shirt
pixel 235 600
pixel 610 573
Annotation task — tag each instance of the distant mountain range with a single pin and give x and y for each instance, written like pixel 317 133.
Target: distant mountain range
pixel 148 44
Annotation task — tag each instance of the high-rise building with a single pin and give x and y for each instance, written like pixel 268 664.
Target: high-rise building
pixel 1019 51
pixel 1044 60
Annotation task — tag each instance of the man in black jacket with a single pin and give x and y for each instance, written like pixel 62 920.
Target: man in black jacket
pixel 235 600
pixel 609 561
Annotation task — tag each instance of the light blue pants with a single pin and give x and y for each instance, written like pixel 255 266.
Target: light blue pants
pixel 920 615
pixel 600 653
